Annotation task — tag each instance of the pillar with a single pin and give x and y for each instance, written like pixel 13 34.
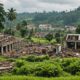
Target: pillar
pixel 2 50
pixel 58 49
pixel 10 47
pixel 75 45
pixel 6 48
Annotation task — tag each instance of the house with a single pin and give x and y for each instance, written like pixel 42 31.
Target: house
pixel 73 41
pixel 70 28
pixel 45 26
pixel 31 26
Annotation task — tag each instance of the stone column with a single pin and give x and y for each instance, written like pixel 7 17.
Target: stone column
pixel 6 48
pixel 14 45
pixel 19 45
pixel 10 47
pixel 2 50
pixel 58 49
pixel 75 45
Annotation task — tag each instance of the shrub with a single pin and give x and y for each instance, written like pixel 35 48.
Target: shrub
pixel 67 61
pixel 73 68
pixel 78 73
pixel 33 58
pixel 23 71
pixel 19 63
pixel 42 58
pixel 11 60
pixel 48 70
pixel 15 70
pixel 65 74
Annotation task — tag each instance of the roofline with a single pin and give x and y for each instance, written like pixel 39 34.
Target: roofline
pixel 73 34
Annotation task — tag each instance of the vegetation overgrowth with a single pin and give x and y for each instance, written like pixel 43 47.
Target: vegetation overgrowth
pixel 44 66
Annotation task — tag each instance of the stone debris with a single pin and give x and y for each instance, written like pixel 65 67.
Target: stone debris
pixel 6 66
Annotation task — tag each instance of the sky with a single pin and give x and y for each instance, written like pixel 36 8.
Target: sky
pixel 40 5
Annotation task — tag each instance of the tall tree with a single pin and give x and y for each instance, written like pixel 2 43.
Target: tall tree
pixel 24 23
pixel 2 14
pixel 18 26
pixel 31 32
pixel 23 32
pixel 78 29
pixel 49 36
pixel 11 16
pixel 57 37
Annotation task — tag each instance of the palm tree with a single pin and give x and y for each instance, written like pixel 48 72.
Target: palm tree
pixel 2 14
pixel 11 16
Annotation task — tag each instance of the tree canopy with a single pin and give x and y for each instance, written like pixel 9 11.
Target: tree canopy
pixel 2 16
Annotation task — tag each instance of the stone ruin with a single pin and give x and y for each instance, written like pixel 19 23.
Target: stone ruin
pixel 10 44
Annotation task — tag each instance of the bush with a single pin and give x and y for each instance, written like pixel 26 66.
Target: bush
pixel 65 74
pixel 73 68
pixel 23 71
pixel 48 70
pixel 33 58
pixel 19 63
pixel 78 73
pixel 42 58
pixel 15 70
pixel 11 59
pixel 67 61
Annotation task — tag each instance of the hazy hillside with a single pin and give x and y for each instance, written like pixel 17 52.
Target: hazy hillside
pixel 60 18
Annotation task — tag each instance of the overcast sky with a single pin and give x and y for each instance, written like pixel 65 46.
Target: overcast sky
pixel 41 5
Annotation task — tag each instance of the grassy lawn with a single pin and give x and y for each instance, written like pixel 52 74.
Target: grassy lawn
pixel 37 78
pixel 42 40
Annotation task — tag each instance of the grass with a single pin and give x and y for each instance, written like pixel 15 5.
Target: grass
pixel 42 40
pixel 2 58
pixel 37 78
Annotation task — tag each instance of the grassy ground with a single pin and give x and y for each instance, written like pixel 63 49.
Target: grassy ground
pixel 37 78
pixel 42 40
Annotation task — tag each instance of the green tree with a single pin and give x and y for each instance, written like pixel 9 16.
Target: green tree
pixel 57 37
pixel 49 37
pixel 8 31
pixel 11 16
pixel 78 29
pixel 2 14
pixel 18 26
pixel 24 23
pixel 23 32
pixel 31 33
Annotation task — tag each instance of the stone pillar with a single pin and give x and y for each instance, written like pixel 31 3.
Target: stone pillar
pixel 14 46
pixel 2 50
pixel 75 45
pixel 6 48
pixel 58 49
pixel 10 47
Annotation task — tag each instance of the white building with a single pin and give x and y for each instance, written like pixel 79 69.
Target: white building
pixel 45 26
pixel 70 28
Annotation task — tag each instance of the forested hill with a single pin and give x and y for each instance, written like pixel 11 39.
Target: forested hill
pixel 60 18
